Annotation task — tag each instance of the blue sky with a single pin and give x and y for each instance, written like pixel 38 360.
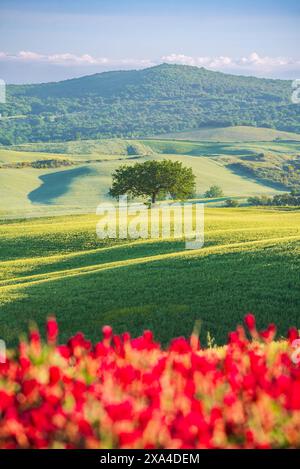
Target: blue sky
pixel 52 40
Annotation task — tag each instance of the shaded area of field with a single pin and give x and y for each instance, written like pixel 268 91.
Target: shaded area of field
pixel 245 173
pixel 56 184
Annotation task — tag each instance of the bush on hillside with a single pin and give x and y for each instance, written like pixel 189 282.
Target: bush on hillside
pixel 214 191
pixel 231 203
pixel 130 393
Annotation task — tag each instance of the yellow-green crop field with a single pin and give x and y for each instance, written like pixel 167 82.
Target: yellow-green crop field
pixel 250 262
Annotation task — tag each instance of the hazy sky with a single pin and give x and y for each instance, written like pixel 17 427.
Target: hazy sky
pixel 51 40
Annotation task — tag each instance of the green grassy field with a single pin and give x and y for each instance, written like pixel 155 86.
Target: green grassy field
pixel 80 149
pixel 79 188
pixel 250 262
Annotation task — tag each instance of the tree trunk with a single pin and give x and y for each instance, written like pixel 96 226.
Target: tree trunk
pixel 153 198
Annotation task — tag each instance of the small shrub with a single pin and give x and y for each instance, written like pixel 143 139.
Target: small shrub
pixel 214 191
pixel 231 203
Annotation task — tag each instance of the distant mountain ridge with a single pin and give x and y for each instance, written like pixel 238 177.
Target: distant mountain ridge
pixel 158 100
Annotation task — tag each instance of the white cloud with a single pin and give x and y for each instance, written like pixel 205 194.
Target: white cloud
pixel 72 59
pixel 58 59
pixel 26 55
pixel 253 64
pixel 216 62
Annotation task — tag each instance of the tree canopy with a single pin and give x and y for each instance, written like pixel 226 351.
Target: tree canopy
pixel 153 179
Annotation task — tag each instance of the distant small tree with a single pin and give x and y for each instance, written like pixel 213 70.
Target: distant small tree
pixel 260 201
pixel 6 141
pixel 254 201
pixel 231 203
pixel 154 179
pixel 295 192
pixel 132 150
pixel 214 191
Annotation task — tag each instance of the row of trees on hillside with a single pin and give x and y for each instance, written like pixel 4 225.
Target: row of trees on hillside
pixel 280 200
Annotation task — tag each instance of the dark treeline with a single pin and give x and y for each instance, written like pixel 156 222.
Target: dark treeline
pixel 279 200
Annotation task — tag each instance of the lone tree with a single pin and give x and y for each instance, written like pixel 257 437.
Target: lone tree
pixel 153 179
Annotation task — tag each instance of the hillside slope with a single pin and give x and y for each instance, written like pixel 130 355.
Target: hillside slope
pixel 72 177
pixel 157 100
pixel 233 134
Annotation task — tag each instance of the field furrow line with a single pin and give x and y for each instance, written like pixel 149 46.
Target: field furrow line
pixel 79 271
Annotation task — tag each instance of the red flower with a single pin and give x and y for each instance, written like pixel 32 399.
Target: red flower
pixel 293 334
pixel 294 398
pixel 107 332
pixel 84 428
pixel 180 345
pixel 250 322
pixel 6 400
pixel 148 336
pixel 35 337
pixel 269 334
pixel 29 386
pixel 64 351
pixel 52 330
pixel 120 411
pixel 127 439
pixel 54 374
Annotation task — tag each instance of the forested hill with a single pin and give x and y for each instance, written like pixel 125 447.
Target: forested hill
pixel 157 100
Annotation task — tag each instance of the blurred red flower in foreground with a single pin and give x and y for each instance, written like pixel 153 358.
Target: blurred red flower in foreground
pixel 130 393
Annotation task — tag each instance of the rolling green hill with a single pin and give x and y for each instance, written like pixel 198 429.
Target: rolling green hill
pixel 79 172
pixel 85 149
pixel 250 262
pixel 233 134
pixel 153 101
